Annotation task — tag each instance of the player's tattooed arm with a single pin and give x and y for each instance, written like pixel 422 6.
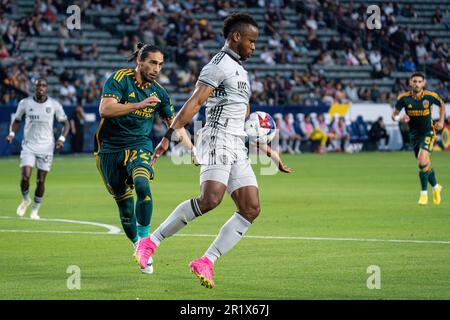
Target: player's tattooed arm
pixel 12 131
pixel 275 156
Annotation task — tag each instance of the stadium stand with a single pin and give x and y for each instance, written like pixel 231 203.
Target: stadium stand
pixel 310 53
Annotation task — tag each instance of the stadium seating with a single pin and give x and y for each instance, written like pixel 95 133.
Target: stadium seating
pixel 106 29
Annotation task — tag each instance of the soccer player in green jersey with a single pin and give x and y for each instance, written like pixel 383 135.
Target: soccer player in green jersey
pixel 418 114
pixel 130 100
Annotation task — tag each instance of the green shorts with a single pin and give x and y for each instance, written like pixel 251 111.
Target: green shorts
pixel 423 141
pixel 116 168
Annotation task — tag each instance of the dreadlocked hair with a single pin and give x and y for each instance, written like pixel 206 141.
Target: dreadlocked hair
pixel 142 51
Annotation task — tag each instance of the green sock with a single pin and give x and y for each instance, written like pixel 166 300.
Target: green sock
pixel 128 218
pixel 144 206
pixel 432 177
pixel 423 175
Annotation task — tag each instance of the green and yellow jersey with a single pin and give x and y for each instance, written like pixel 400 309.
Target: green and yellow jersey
pixel 419 110
pixel 131 130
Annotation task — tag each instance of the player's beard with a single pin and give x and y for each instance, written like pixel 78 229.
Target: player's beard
pixel 41 97
pixel 146 79
pixel 417 90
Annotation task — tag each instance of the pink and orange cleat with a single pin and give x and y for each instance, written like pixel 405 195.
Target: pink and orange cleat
pixel 203 269
pixel 144 249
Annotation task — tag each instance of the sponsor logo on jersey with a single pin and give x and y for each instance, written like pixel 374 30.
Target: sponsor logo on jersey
pixel 132 95
pixel 242 85
pixel 144 113
pixel 426 104
pixel 418 113
pixel 409 105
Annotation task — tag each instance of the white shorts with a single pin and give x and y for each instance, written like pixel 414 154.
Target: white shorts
pixel 42 161
pixel 224 158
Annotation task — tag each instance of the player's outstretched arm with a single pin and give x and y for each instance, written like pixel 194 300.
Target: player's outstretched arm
pixel 187 112
pixel 110 108
pixel 275 156
pixel 12 131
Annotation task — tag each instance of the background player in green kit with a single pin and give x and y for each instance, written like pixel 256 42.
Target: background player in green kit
pixel 418 113
pixel 130 101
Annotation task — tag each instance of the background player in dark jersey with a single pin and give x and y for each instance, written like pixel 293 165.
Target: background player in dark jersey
pixel 418 113
pixel 130 101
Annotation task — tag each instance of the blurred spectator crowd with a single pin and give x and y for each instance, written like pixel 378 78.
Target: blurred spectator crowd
pixel 171 25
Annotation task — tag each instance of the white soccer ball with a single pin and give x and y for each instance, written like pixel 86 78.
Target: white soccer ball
pixel 260 127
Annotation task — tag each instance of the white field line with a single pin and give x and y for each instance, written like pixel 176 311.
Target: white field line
pixel 112 230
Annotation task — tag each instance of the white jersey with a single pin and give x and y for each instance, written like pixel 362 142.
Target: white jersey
pixel 226 107
pixel 38 132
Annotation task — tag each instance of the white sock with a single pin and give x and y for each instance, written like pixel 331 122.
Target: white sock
pixel 26 196
pixel 36 203
pixel 434 187
pixel 424 192
pixel 184 213
pixel 230 234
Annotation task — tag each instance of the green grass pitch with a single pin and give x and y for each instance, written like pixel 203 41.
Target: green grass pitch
pixel 329 197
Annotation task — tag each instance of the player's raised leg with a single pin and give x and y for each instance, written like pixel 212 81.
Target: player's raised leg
pixel 38 194
pixel 144 210
pixel 25 190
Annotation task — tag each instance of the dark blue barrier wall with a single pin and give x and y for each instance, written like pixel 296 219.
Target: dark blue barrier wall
pixel 91 127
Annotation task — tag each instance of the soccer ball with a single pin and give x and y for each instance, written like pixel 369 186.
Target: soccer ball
pixel 260 127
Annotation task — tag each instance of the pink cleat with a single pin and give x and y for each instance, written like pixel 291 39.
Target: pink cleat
pixel 144 249
pixel 203 269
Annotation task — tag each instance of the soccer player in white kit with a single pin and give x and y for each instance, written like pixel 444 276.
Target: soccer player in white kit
pixel 38 142
pixel 224 85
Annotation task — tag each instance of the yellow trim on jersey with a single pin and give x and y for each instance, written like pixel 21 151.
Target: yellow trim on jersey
pixel 97 133
pixel 110 95
pixel 126 195
pixel 432 141
pixel 125 73
pixel 118 76
pixel 434 95
pixel 99 167
pixel 404 94
pixel 141 172
pixel 127 155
